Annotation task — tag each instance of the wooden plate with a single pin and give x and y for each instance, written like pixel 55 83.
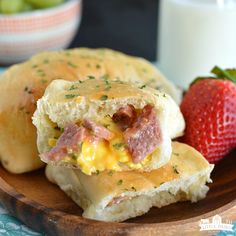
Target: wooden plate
pixel 43 207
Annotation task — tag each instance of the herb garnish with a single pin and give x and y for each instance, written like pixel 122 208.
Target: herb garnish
pixel 26 89
pixel 104 77
pixel 133 188
pixel 103 97
pixel 110 173
pixel 175 153
pixel 72 155
pixel 71 64
pixel 73 87
pixel 91 77
pixel 120 182
pixel 170 193
pixel 97 172
pixel 117 146
pixel 43 81
pixel 41 73
pixel 98 66
pixel 175 169
pixel 143 86
pixel 69 96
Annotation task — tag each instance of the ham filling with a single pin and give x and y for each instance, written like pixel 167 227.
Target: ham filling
pixel 98 130
pixel 141 133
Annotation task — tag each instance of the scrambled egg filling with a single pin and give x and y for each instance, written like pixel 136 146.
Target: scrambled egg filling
pixel 103 155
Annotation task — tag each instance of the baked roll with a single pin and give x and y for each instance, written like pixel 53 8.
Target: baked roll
pixel 98 125
pixel 118 196
pixel 23 84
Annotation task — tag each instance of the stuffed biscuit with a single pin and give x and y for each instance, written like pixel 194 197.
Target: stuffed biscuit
pixel 99 125
pixel 117 196
pixel 23 84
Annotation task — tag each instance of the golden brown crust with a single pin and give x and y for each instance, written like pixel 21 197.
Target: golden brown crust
pixel 184 177
pixel 66 102
pixel 185 161
pixel 22 85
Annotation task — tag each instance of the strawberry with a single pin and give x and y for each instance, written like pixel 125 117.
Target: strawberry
pixel 209 109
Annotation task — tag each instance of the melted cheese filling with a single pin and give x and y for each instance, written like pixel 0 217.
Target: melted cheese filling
pixel 104 155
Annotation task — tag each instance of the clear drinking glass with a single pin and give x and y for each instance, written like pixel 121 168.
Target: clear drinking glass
pixel 194 36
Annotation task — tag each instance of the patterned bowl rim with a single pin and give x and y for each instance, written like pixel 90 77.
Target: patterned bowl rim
pixel 41 12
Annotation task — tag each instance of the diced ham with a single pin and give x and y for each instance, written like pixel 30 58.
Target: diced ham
pixel 70 140
pixel 98 130
pixel 73 135
pixel 125 116
pixel 144 136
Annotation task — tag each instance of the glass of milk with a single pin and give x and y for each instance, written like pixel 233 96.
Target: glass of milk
pixel 194 36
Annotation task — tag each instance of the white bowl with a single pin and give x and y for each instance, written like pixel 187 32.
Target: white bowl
pixel 25 34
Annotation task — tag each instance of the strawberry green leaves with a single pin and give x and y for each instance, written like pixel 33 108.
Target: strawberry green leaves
pixel 218 73
pixel 229 74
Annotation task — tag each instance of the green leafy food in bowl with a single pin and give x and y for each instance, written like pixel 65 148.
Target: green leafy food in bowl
pixel 16 6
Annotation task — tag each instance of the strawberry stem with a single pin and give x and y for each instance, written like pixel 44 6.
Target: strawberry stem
pixel 227 74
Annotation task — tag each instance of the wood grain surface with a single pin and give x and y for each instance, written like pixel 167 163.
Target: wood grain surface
pixel 45 208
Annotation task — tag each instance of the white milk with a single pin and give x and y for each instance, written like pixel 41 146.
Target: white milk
pixel 194 36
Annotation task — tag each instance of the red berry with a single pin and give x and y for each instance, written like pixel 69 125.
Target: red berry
pixel 209 109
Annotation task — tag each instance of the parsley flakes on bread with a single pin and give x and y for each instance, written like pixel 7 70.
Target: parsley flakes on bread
pixel 118 196
pixel 98 125
pixel 23 84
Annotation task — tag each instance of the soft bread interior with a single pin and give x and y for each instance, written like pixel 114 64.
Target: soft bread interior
pixel 134 193
pixel 23 84
pixel 69 102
